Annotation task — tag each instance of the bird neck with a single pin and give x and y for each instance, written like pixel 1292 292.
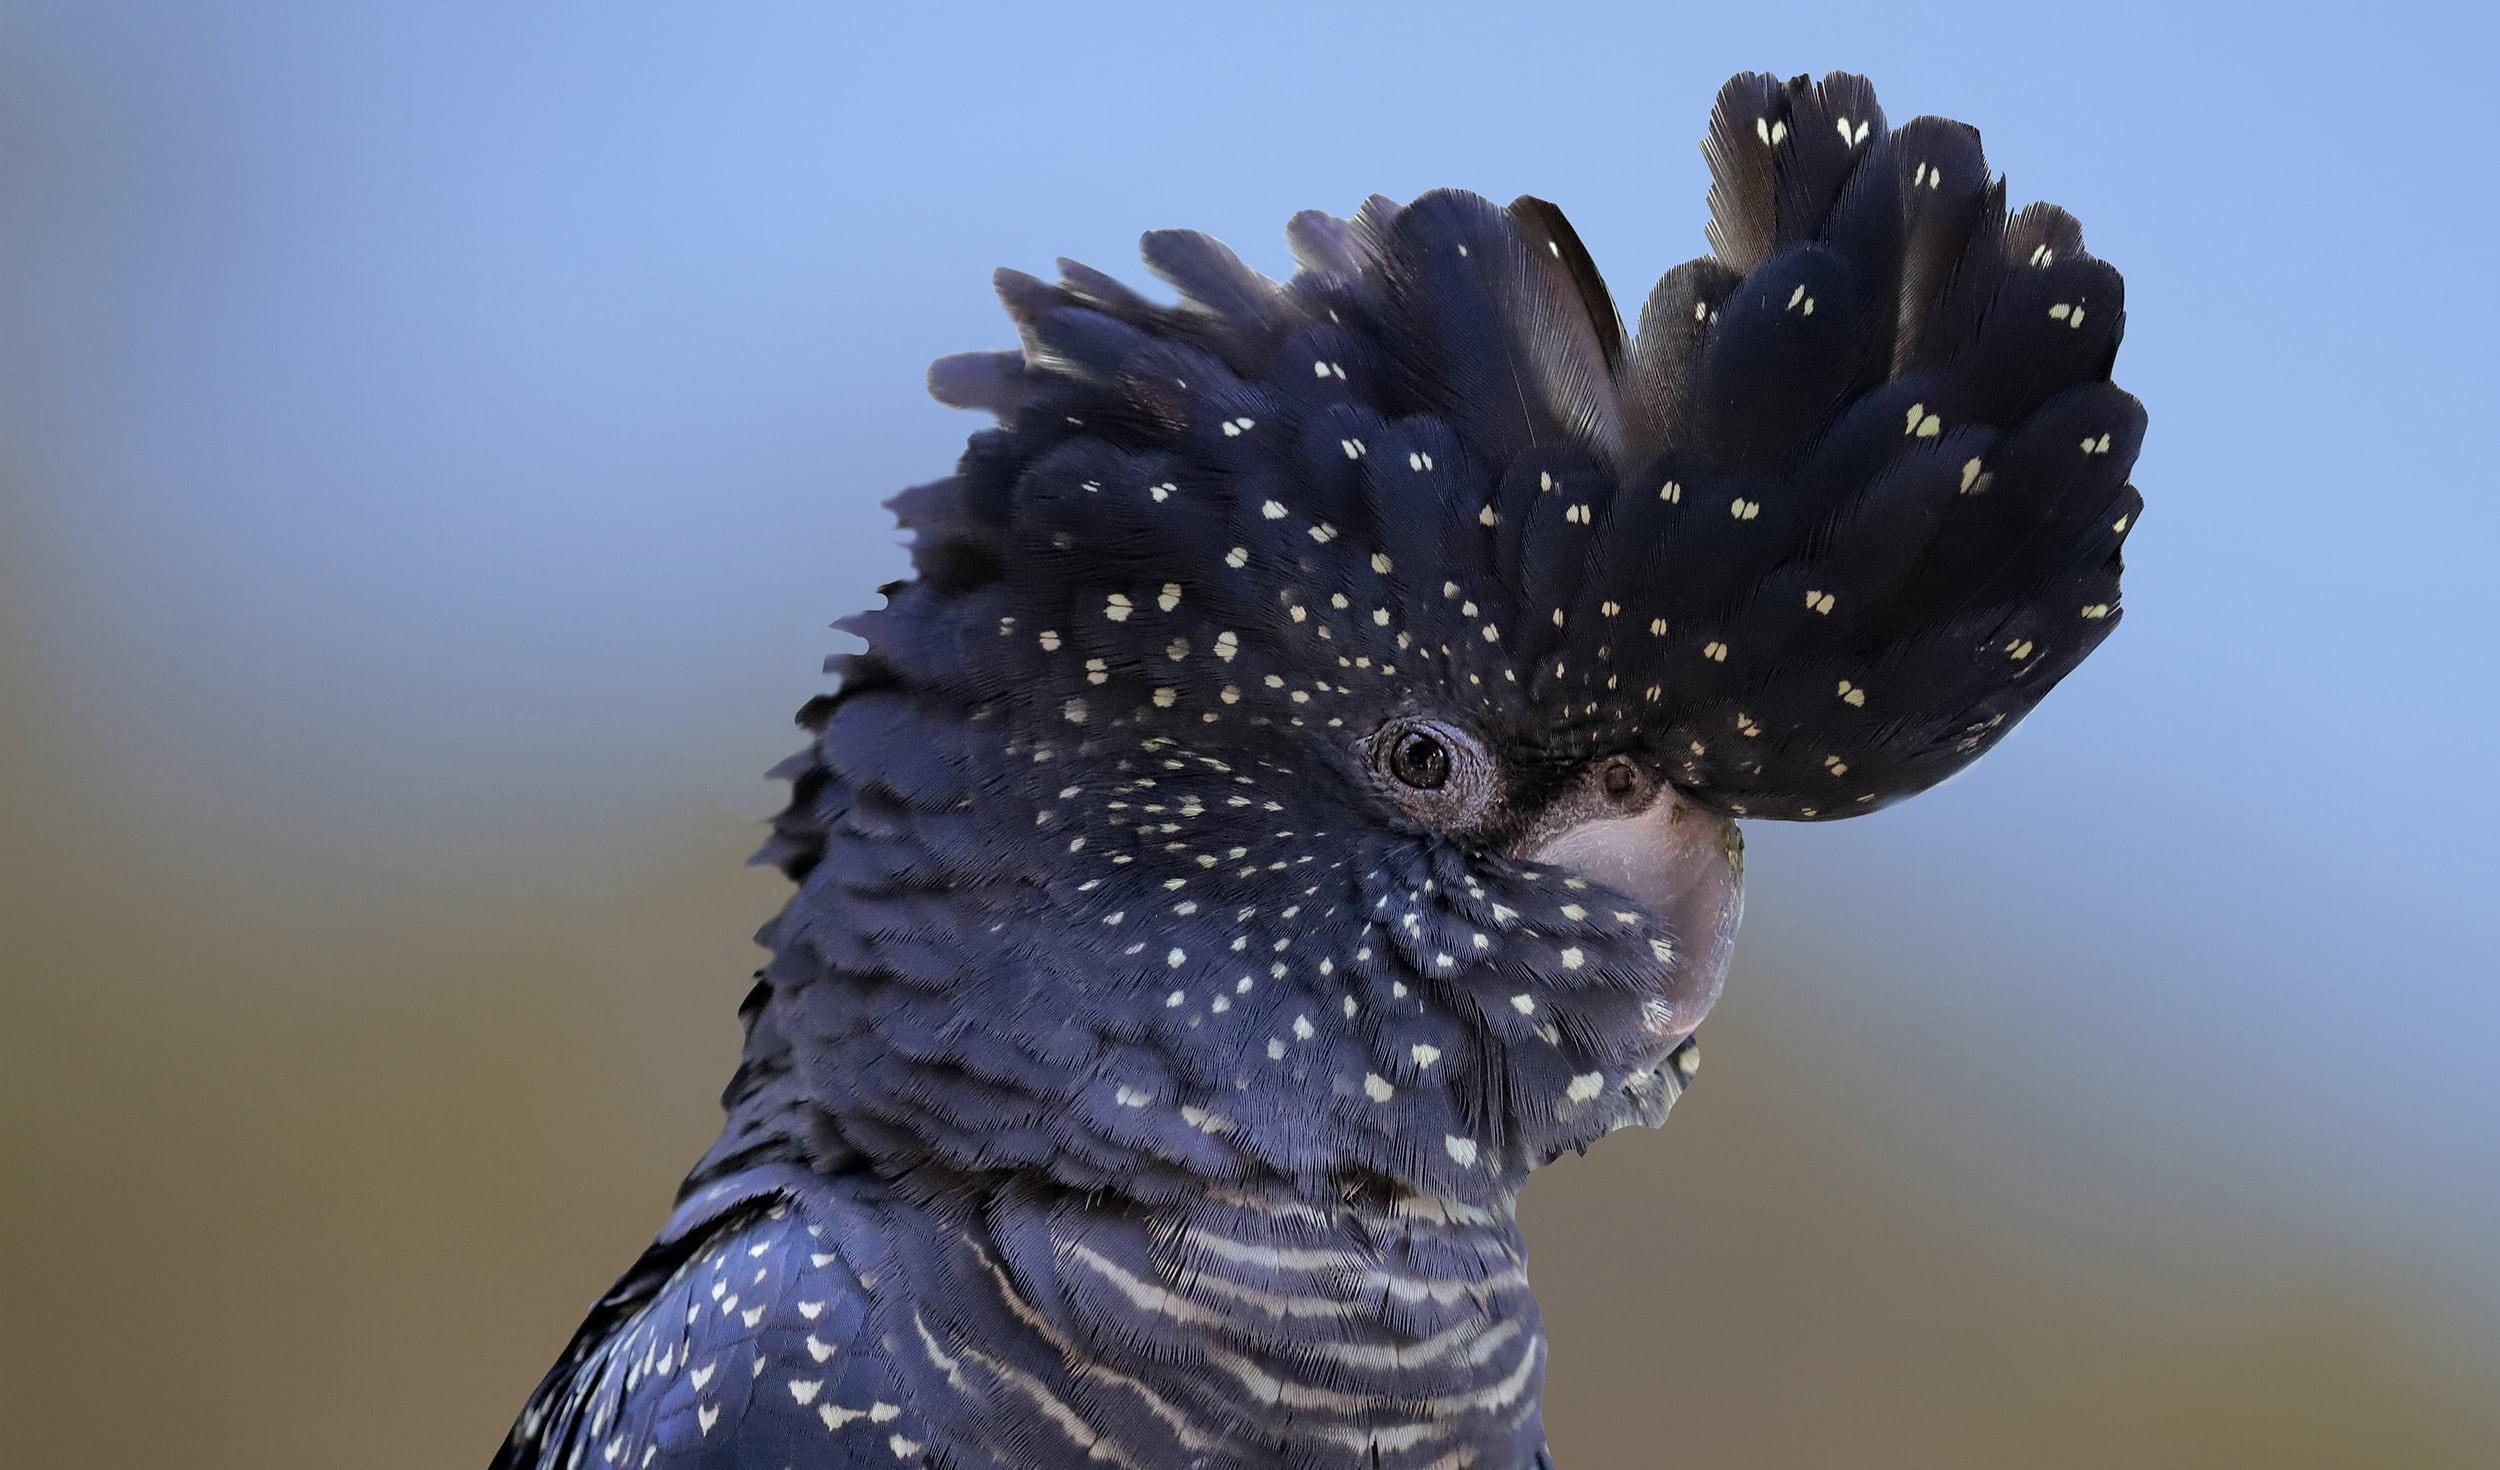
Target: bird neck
pixel 1217 1331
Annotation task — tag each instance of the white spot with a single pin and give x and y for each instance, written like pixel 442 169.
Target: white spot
pixel 1130 1097
pixel 1585 1086
pixel 1525 1004
pixel 1820 602
pixel 1377 1087
pixel 1462 1150
pixel 1852 695
pixel 1424 1053
pixel 1302 1029
pixel 1237 558
pixel 1170 597
pixel 1226 645
pixel 1116 607
pixel 1744 510
pixel 707 1416
pixel 806 1389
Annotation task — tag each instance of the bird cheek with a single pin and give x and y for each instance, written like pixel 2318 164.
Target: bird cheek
pixel 1686 866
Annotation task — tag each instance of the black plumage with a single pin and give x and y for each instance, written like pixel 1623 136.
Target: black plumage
pixel 1143 1076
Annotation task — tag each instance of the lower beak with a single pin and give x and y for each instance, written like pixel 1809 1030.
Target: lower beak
pixel 1687 866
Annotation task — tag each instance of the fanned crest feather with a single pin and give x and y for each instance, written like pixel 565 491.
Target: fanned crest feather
pixel 1842 512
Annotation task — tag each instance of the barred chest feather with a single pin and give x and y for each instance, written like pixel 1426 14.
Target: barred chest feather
pixel 1234 1331
pixel 791 1318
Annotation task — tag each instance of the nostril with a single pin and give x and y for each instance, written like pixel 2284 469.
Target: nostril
pixel 1622 781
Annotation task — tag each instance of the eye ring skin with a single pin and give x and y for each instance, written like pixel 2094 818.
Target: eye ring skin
pixel 1469 792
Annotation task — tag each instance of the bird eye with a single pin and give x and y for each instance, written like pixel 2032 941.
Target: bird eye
pixel 1438 773
pixel 1420 761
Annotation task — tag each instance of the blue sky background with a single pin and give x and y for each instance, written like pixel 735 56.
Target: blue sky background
pixel 439 431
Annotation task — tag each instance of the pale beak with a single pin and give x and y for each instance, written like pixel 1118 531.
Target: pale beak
pixel 1687 866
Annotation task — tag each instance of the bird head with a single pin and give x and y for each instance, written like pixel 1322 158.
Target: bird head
pixel 1311 744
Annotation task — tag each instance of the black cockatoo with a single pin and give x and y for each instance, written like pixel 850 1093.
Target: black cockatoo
pixel 1294 798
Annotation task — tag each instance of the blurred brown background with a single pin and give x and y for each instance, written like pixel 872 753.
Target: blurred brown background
pixel 433 438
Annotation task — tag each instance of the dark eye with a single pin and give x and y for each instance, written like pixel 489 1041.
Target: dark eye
pixel 1437 772
pixel 1420 760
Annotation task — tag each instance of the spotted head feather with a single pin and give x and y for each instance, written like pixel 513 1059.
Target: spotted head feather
pixel 1097 879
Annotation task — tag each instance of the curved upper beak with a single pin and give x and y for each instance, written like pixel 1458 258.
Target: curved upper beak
pixel 1687 866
